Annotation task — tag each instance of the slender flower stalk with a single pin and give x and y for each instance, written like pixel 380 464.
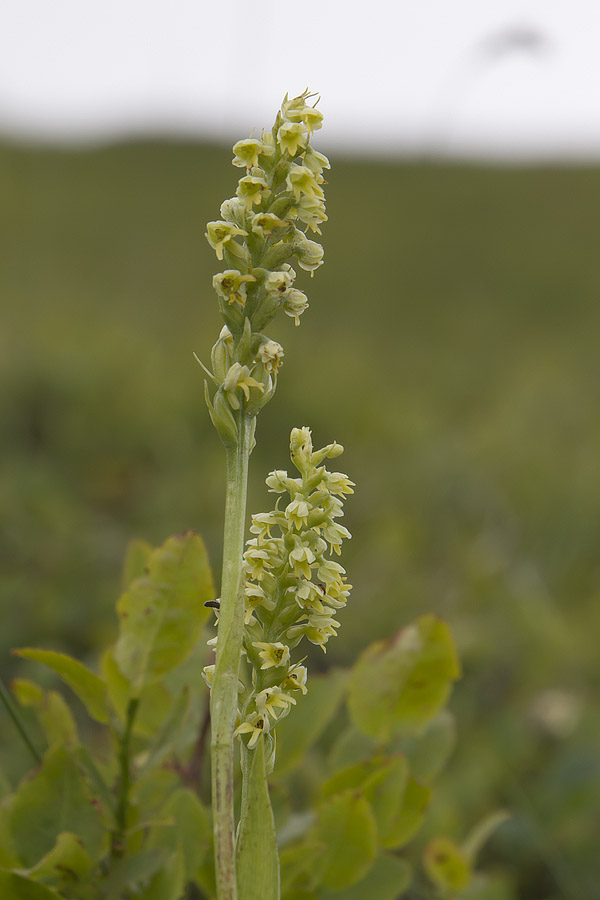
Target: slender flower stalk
pixel 261 231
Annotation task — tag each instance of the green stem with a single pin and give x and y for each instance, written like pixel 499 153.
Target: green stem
pixel 118 840
pixel 14 714
pixel 224 693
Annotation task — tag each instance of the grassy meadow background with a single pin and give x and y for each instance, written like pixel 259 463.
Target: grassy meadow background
pixel 451 345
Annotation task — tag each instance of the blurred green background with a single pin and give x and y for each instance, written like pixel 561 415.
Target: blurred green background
pixel 451 346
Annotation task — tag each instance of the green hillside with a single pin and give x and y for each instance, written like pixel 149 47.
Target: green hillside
pixel 451 346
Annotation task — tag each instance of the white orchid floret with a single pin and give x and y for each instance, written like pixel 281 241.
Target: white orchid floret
pixel 296 678
pixel 310 255
pixel 248 150
pixel 301 558
pixel 238 378
pixel 256 560
pixel 338 483
pixel 310 211
pixel 297 512
pixel 279 282
pixel 317 630
pixel 315 161
pixel 310 116
pixel 334 507
pixel 273 702
pixel 264 223
pixel 218 234
pixel 271 355
pixel 301 180
pixel 330 572
pixel 256 725
pixel 295 302
pixel 273 655
pixel 334 534
pixel 308 597
pixel 231 285
pixel 252 189
pixel 291 137
pixel 254 597
pixel 262 524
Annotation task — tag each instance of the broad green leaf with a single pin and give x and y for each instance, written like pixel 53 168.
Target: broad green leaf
pixel 385 789
pixel 162 612
pixel 346 829
pixel 155 701
pixel 386 880
pixel 352 746
pixel 169 733
pixel 297 862
pixel 169 881
pixel 136 559
pixel 409 816
pixel 428 752
pixel 57 798
pixel 18 887
pixel 401 683
pixel 67 861
pixel 132 870
pixel 257 859
pixel 52 712
pixel 446 864
pixel 190 831
pixel 90 689
pixel 383 781
pixel 312 713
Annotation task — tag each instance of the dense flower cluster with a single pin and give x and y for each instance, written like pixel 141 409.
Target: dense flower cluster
pixel 279 198
pixel 293 587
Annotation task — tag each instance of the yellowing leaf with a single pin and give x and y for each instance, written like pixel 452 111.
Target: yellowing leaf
pixel 400 684
pixel 446 864
pixel 162 612
pixel 67 860
pixel 90 689
pixel 57 798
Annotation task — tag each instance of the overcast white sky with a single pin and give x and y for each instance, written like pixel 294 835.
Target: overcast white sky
pixel 520 77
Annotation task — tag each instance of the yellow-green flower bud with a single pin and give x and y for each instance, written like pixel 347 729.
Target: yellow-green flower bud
pixel 310 255
pixel 294 304
pixel 279 282
pixel 221 354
